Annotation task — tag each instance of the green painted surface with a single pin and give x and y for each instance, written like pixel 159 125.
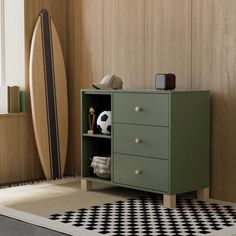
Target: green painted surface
pixel 154 172
pixel 97 135
pixel 189 141
pixel 154 108
pixel 96 91
pixel 153 140
pixel 98 180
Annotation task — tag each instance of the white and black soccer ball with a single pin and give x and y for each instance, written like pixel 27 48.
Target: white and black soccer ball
pixel 104 122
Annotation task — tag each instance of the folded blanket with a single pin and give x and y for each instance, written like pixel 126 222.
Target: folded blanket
pixel 101 165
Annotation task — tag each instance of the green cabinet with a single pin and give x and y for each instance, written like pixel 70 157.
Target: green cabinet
pixel 159 140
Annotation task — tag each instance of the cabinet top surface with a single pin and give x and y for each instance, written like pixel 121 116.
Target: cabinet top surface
pixel 153 91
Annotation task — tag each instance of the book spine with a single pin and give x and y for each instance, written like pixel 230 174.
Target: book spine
pixel 13 100
pixel 22 101
pixel 10 102
pixel 17 99
pixel 8 99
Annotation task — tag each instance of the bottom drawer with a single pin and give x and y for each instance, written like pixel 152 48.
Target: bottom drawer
pixel 141 172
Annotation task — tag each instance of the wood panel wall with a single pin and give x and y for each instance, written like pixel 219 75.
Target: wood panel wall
pixel 124 41
pixel 135 39
pixel 214 68
pixel 18 155
pixel 168 41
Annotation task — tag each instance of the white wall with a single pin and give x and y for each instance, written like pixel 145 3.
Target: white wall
pixel 2 44
pixel 14 43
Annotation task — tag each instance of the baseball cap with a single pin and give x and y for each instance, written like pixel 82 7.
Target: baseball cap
pixel 109 82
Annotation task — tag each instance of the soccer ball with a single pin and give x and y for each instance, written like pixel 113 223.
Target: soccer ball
pixel 104 122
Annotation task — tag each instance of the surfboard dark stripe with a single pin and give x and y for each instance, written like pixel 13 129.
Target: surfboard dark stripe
pixel 48 118
pixel 55 99
pixel 50 93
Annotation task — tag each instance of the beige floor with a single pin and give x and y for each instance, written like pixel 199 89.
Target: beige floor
pixel 59 196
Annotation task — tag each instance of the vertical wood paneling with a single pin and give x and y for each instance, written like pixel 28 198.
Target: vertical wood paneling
pixel 168 41
pixel 18 155
pixel 124 41
pixel 85 63
pixel 214 68
pixel 85 36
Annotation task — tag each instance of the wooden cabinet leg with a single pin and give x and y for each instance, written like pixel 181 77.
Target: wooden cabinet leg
pixel 169 201
pixel 203 194
pixel 85 185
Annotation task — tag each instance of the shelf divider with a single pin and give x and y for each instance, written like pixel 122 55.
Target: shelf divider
pixel 99 180
pixel 97 135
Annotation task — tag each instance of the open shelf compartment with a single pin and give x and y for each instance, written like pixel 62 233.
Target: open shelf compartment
pixel 91 148
pixel 96 144
pixel 99 102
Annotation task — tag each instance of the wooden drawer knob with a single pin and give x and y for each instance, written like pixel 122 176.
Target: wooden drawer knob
pixel 137 140
pixel 137 172
pixel 137 108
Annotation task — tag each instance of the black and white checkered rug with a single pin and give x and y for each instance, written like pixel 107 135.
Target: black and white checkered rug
pixel 146 216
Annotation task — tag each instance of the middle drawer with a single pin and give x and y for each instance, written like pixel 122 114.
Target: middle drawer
pixel 150 141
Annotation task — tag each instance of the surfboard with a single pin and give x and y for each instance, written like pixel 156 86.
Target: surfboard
pixel 48 94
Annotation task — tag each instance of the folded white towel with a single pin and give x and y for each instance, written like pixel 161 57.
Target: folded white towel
pixel 101 165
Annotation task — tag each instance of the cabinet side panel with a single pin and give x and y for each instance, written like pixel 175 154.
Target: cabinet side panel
pixel 189 138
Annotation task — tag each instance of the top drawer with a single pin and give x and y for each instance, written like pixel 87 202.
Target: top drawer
pixel 146 109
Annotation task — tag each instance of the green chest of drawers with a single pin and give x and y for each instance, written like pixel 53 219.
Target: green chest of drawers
pixel 159 140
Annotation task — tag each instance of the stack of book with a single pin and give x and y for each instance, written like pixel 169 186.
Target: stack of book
pixel 12 99
pixel 16 100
